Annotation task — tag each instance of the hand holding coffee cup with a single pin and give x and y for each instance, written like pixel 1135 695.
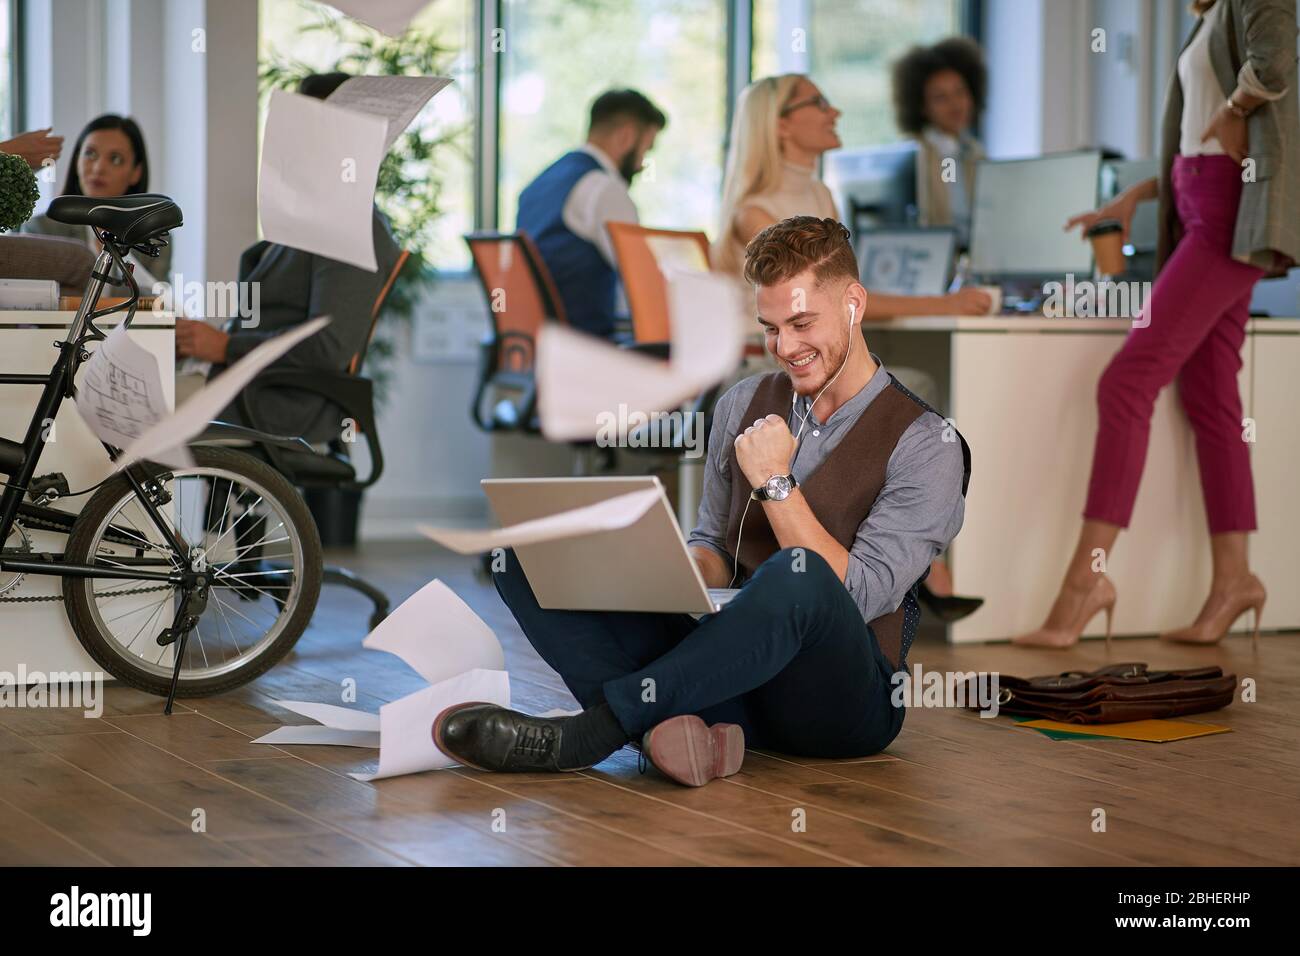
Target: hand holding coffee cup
pixel 1107 237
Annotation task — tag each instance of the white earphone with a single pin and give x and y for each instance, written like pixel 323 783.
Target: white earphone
pixel 794 399
pixel 803 420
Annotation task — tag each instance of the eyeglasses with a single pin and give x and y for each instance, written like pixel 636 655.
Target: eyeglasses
pixel 819 101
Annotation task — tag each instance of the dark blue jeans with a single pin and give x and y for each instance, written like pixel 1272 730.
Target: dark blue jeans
pixel 789 659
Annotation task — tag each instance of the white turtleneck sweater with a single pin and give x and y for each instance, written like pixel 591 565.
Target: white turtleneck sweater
pixel 800 193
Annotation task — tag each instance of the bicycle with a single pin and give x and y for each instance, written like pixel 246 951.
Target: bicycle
pixel 227 545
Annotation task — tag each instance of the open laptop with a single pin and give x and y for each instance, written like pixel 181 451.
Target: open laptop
pixel 643 567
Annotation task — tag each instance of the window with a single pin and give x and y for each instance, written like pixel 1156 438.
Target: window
pixel 848 47
pixel 8 69
pixel 291 34
pixel 561 54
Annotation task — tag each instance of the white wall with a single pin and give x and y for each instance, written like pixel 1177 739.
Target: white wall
pixel 1051 90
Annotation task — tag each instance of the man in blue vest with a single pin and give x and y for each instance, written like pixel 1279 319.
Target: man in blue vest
pixel 564 210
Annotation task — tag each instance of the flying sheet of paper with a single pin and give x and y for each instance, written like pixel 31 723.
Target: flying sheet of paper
pixel 316 188
pixel 398 99
pixel 582 381
pixel 438 635
pixel 608 515
pixel 319 735
pixel 387 16
pixel 407 724
pixel 332 715
pixel 444 641
pixel 165 438
pixel 120 393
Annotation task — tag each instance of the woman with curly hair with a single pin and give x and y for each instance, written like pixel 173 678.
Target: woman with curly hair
pixel 938 96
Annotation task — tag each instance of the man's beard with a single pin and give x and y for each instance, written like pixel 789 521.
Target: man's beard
pixel 832 360
pixel 627 167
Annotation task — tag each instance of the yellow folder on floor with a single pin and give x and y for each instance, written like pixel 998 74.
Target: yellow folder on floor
pixel 1153 731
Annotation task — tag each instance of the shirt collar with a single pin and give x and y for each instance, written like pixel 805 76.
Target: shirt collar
pixel 946 144
pixel 601 157
pixel 854 407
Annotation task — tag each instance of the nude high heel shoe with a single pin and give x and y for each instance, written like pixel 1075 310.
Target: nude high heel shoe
pixel 1100 598
pixel 1221 612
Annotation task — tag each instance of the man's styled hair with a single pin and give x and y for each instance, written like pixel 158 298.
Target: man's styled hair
pixel 615 105
pixel 785 249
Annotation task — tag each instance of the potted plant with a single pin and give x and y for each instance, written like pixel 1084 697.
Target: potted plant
pixel 18 192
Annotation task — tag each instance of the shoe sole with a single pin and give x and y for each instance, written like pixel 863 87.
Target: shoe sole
pixel 688 751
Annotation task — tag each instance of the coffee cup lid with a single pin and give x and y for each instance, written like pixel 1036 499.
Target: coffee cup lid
pixel 1104 226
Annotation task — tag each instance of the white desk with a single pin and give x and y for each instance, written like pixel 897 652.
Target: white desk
pixel 39 635
pixel 1023 392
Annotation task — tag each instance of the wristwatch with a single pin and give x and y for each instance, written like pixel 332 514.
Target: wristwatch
pixel 1235 110
pixel 776 488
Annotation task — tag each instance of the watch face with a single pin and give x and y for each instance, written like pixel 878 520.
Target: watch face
pixel 777 487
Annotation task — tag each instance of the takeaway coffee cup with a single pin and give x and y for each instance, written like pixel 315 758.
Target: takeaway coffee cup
pixel 1107 237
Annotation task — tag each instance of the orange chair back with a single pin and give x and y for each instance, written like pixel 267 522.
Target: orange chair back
pixel 643 254
pixel 354 366
pixel 520 293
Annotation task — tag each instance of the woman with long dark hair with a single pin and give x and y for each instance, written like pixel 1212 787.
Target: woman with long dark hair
pixel 109 160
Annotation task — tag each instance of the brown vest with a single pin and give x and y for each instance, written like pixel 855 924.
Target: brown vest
pixel 840 492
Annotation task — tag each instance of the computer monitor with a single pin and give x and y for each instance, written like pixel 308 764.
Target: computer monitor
pixel 907 261
pixel 1020 208
pixel 874 187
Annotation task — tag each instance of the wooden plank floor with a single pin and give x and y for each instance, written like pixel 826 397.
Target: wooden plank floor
pixel 953 789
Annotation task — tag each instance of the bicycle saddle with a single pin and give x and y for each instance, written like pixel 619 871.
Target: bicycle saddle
pixel 131 220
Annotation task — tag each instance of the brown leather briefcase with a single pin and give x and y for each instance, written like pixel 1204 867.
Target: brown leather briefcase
pixel 1111 695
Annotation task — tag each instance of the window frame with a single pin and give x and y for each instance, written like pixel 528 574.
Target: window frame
pixel 17 104
pixel 739 73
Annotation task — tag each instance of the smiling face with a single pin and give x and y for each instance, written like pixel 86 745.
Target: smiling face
pixel 806 326
pixel 106 165
pixel 808 129
pixel 948 103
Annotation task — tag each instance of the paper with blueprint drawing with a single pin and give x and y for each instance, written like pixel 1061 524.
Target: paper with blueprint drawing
pixel 120 393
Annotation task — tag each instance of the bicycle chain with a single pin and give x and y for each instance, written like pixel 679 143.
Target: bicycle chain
pixel 35 521
pixel 33 599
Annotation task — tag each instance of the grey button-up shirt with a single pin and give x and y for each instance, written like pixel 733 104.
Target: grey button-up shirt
pixel 918 512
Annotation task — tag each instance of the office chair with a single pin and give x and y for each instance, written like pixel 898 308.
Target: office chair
pixel 521 297
pixel 642 255
pixel 307 468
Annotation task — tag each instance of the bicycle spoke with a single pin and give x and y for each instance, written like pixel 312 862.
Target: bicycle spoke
pixel 251 525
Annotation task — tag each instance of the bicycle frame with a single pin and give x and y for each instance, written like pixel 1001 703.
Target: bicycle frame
pixel 55 387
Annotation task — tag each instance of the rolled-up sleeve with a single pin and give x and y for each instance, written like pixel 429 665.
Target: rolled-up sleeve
pixel 917 513
pixel 1269 65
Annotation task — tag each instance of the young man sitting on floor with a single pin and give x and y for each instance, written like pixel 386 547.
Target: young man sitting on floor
pixel 828 490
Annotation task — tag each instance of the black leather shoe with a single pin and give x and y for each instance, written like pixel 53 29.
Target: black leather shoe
pixel 496 739
pixel 948 607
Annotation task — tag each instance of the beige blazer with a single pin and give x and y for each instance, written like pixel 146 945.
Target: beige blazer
pixel 1263 34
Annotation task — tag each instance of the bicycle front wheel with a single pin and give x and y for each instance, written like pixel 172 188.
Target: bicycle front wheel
pixel 240 518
